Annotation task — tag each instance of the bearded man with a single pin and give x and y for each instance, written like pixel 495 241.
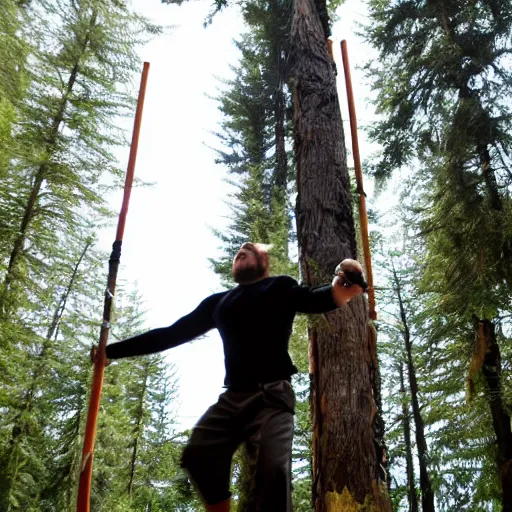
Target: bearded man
pixel 255 321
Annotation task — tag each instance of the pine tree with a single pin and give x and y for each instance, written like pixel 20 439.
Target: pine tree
pixel 65 128
pixel 252 130
pixel 33 403
pixel 59 138
pixel 253 125
pixel 159 483
pixel 421 444
pixel 458 435
pixel 254 133
pixel 443 82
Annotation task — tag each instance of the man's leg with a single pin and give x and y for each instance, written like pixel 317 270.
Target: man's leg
pixel 207 456
pixel 220 507
pixel 269 446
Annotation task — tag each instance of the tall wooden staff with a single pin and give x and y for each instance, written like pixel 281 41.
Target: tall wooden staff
pixel 363 216
pixel 84 485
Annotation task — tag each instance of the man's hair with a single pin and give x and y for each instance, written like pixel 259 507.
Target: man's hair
pixel 266 248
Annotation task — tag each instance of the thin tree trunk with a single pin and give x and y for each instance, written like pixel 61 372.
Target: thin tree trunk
pixel 347 468
pixel 501 421
pixel 281 169
pixel 138 428
pixel 41 173
pixel 19 428
pixel 74 465
pixel 411 485
pixel 53 328
pixel 427 495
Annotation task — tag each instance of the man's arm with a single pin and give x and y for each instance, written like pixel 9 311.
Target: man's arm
pixel 307 299
pixel 321 299
pixel 185 329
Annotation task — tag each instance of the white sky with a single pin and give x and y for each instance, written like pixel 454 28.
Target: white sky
pixel 168 239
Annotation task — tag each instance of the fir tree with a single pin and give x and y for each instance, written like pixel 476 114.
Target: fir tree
pixel 65 128
pixel 443 80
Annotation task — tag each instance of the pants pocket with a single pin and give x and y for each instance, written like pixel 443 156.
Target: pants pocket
pixel 280 394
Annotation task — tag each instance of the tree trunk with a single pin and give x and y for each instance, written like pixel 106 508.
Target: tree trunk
pixel 501 421
pixel 281 168
pixel 53 328
pixel 427 495
pixel 347 465
pixel 74 463
pixel 20 426
pixel 137 432
pixel 411 485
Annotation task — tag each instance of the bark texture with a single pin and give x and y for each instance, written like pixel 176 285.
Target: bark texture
pixel 347 457
pixel 501 421
pixel 406 422
pixel 427 495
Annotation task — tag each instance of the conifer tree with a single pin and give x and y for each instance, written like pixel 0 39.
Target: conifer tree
pixel 65 128
pixel 419 425
pixel 443 80
pixel 60 96
pixel 33 406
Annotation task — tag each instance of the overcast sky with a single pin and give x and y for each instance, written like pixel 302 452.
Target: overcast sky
pixel 168 237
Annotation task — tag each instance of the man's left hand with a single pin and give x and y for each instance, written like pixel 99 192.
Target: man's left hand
pixel 348 273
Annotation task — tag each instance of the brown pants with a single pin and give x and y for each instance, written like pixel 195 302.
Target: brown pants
pixel 263 419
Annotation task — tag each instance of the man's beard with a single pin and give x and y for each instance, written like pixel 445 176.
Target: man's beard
pixel 249 274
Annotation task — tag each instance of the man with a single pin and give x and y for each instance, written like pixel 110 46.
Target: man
pixel 255 322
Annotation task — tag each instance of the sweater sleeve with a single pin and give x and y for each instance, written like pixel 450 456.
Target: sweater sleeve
pixel 185 329
pixel 310 299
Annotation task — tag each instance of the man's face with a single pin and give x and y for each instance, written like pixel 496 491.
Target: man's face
pixel 249 264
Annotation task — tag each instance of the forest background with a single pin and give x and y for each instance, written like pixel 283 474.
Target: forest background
pixel 216 167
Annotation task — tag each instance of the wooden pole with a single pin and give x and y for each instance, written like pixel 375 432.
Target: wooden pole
pixel 330 49
pixel 363 216
pixel 84 484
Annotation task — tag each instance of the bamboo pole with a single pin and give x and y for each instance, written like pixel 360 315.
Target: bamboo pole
pixel 363 216
pixel 84 485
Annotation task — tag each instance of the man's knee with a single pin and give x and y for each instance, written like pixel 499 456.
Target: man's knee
pixel 275 472
pixel 208 472
pixel 190 456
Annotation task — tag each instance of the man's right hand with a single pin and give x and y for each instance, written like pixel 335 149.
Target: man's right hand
pixel 351 272
pixel 95 354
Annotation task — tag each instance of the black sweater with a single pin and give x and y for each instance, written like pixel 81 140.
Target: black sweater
pixel 254 321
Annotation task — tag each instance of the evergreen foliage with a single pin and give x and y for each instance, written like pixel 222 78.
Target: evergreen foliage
pixel 67 76
pixel 444 82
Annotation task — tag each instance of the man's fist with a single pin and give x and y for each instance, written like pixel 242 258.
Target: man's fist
pixel 350 272
pixel 95 355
